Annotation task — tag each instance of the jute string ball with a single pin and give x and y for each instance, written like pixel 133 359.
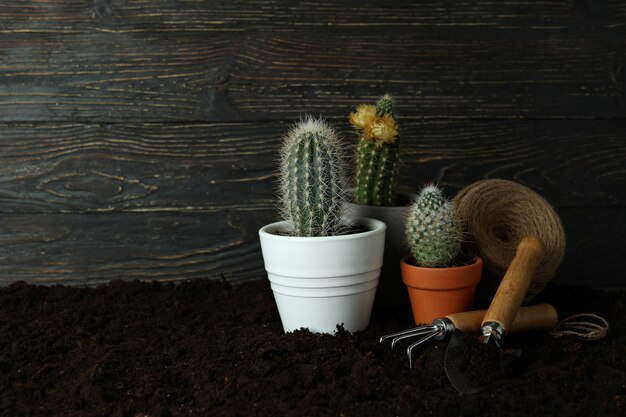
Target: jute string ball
pixel 496 215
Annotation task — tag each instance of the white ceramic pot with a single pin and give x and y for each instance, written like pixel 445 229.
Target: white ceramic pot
pixel 321 282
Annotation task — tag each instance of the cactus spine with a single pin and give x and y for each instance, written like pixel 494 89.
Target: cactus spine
pixel 433 231
pixel 377 152
pixel 312 179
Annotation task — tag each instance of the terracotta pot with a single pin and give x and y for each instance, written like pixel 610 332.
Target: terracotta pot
pixel 437 292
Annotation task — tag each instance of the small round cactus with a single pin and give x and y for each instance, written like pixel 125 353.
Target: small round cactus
pixel 312 179
pixel 433 231
pixel 377 152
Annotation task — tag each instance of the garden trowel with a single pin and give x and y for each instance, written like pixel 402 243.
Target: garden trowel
pixel 499 318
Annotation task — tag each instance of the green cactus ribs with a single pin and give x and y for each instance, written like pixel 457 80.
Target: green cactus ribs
pixel 433 232
pixel 377 168
pixel 378 152
pixel 312 179
pixel 384 106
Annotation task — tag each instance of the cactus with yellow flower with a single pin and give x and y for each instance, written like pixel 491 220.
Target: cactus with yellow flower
pixel 377 152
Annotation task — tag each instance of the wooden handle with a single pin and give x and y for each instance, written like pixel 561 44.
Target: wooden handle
pixel 538 317
pixel 514 285
pixel 468 321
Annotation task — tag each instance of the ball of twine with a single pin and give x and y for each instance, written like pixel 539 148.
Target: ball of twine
pixel 497 214
pixel 584 326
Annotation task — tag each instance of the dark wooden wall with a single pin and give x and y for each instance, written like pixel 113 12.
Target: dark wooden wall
pixel 138 138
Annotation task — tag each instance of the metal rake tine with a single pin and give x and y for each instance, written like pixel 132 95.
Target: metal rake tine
pixel 417 332
pixel 409 350
pixel 412 332
pixel 403 332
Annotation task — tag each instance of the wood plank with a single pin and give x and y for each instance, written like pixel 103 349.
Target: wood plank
pixel 93 168
pixel 74 16
pixel 570 162
pixel 109 77
pixel 95 192
pixel 96 248
pixel 89 249
pixel 434 74
pixel 74 168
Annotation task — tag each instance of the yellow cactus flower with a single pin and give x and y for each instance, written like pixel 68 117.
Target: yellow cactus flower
pixel 364 115
pixel 382 130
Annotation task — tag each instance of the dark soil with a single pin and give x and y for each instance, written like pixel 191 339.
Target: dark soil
pixel 204 348
pixel 349 230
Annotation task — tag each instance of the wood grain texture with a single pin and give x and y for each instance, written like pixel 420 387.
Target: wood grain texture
pixel 272 75
pixel 167 202
pixel 89 249
pixel 93 168
pixel 74 16
pixel 95 248
pixel 74 168
pixel 138 138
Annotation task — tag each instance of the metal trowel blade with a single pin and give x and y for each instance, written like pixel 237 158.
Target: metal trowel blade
pixel 454 366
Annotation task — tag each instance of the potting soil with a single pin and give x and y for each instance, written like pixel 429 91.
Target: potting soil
pixel 202 348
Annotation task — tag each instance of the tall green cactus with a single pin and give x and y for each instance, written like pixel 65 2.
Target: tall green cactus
pixel 433 231
pixel 377 153
pixel 312 179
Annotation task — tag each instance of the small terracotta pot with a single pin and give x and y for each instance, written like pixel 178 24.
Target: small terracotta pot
pixel 437 292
